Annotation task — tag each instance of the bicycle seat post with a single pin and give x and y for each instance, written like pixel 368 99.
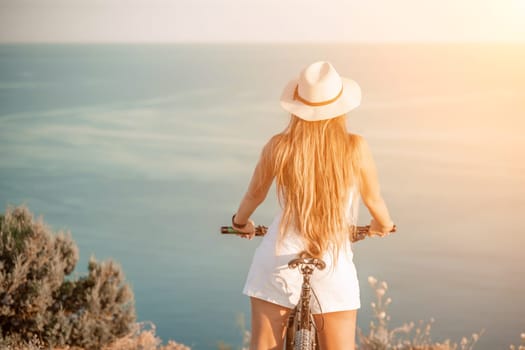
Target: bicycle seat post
pixel 306 266
pixel 306 271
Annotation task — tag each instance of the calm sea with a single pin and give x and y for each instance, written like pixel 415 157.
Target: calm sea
pixel 144 151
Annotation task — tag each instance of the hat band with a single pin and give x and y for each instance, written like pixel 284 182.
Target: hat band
pixel 322 103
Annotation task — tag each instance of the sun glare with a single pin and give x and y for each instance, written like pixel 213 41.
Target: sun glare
pixel 520 5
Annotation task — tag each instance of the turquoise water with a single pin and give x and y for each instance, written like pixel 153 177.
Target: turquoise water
pixel 144 151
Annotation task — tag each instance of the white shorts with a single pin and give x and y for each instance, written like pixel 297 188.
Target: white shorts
pixel 269 277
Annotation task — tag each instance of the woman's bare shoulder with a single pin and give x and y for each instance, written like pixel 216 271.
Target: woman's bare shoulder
pixel 356 139
pixel 360 145
pixel 277 137
pixel 354 135
pixel 274 140
pixel 269 147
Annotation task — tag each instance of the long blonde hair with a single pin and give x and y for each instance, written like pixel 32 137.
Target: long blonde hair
pixel 315 164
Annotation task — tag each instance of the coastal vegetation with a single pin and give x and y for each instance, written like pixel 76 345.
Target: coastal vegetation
pixel 43 307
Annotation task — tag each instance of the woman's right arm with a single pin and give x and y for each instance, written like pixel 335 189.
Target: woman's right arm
pixel 371 191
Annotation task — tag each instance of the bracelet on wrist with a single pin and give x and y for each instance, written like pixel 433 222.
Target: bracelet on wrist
pixel 234 224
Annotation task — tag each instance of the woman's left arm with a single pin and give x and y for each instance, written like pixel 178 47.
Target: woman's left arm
pixel 260 183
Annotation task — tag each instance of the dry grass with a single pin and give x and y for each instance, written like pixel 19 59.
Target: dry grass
pixel 141 338
pixel 407 336
pixel 519 347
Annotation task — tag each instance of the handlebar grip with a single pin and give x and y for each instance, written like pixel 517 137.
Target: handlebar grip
pixel 259 230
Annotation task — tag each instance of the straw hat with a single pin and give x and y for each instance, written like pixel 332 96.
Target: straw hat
pixel 320 93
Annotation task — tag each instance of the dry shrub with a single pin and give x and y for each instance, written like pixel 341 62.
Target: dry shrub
pixel 37 302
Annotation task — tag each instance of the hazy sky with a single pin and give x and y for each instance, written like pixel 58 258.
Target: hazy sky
pixel 255 20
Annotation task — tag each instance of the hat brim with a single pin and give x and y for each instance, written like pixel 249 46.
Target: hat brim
pixel 349 99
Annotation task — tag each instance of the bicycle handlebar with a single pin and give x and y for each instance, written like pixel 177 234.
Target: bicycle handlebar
pixel 259 230
pixel 359 232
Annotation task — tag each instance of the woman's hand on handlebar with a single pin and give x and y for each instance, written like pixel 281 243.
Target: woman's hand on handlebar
pixel 377 229
pixel 248 231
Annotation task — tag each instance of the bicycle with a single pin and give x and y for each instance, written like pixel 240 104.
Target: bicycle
pixel 301 330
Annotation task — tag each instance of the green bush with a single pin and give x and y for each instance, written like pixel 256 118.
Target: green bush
pixel 37 303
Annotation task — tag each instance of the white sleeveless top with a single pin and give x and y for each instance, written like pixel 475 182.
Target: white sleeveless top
pixel 270 279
